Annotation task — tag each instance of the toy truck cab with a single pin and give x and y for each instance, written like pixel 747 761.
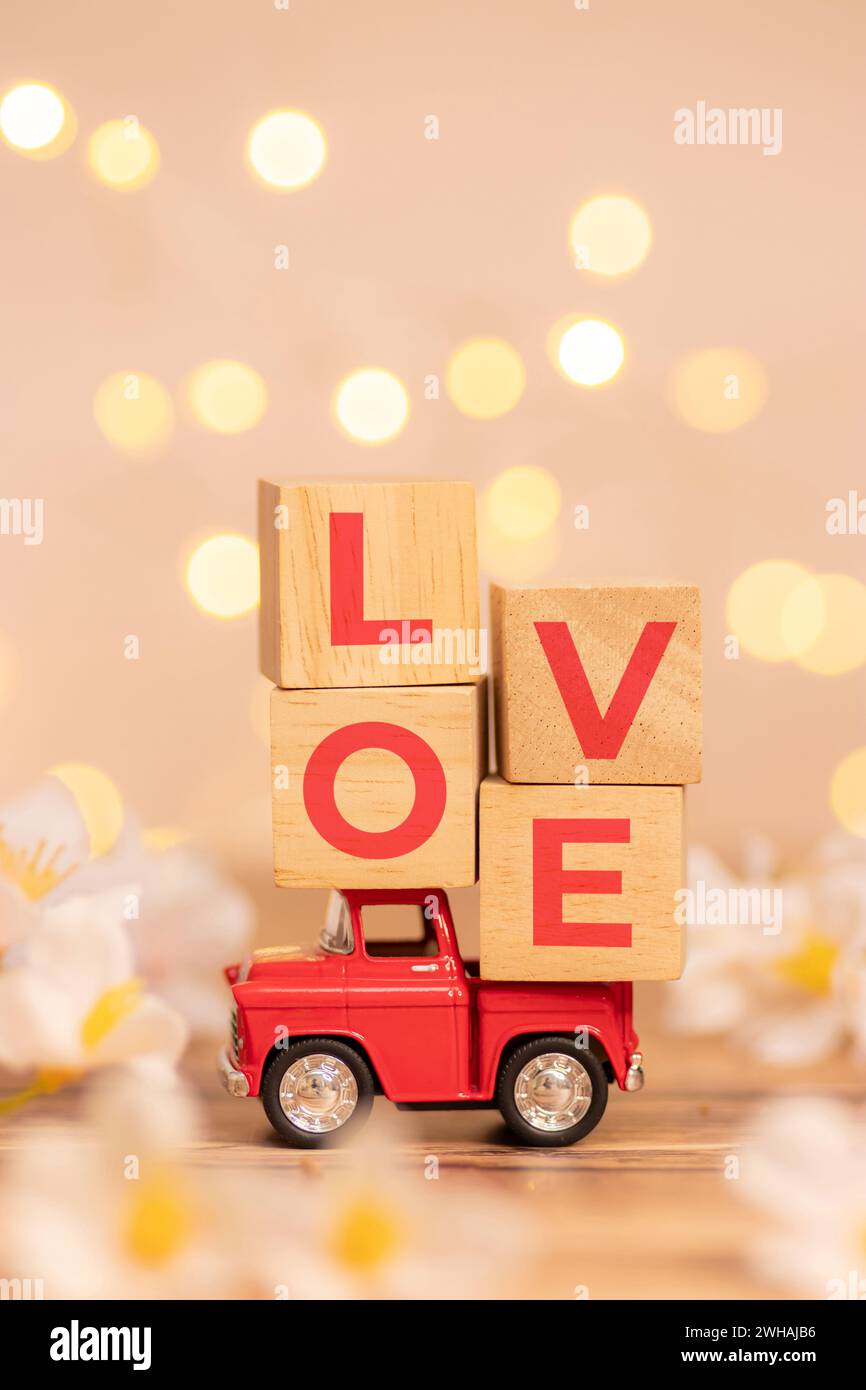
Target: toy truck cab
pixel 318 1032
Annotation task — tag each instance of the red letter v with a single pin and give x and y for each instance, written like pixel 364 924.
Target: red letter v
pixel 602 736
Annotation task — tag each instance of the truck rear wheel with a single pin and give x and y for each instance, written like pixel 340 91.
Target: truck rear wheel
pixel 317 1092
pixel 551 1093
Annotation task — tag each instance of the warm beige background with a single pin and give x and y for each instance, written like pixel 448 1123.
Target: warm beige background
pixel 401 250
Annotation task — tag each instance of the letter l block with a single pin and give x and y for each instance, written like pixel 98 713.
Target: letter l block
pixel 358 576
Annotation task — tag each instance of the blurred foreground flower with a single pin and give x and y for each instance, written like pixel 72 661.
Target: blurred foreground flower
pixel 806 1169
pixel 380 1232
pixel 185 922
pixel 43 840
pixel 70 1002
pixel 132 1218
pixel 183 919
pixel 777 962
pixel 119 1218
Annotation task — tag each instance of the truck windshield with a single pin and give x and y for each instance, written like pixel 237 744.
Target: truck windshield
pixel 336 936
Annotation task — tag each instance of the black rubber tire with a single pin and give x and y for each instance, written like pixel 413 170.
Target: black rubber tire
pixel 270 1092
pixel 554 1139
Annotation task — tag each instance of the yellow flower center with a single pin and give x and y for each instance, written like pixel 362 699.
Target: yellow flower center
pixel 158 1221
pixel 366 1234
pixel 112 1007
pixel 811 966
pixel 30 870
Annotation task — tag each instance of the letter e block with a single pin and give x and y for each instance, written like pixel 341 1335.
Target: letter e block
pixel 368 583
pixel 603 678
pixel 377 788
pixel 579 883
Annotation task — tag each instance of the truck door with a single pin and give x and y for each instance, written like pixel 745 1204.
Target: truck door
pixel 407 1000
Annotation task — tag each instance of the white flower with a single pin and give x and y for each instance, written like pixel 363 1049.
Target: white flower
pixel 137 1215
pixel 18 917
pixel 374 1231
pixel 43 837
pixel 128 1219
pixel 806 1169
pixel 185 922
pixel 790 988
pixel 43 841
pixel 70 1001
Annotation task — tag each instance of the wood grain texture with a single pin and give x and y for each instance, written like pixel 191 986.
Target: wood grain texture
pixel 535 737
pixel 642 1208
pixel 419 562
pixel 650 861
pixel 375 788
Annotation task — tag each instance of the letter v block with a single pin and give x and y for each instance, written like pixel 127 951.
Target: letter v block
pixel 377 788
pixel 598 683
pixel 368 583
pixel 580 883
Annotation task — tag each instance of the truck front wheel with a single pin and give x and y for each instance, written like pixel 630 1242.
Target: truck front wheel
pixel 317 1092
pixel 551 1093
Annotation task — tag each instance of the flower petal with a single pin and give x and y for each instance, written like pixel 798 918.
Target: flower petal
pixel 39 1027
pixel 43 837
pixel 794 1039
pixel 82 947
pixel 151 1030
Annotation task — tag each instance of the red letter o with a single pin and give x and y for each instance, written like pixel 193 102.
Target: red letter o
pixel 326 817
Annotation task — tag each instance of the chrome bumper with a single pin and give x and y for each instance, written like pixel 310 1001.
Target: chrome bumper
pixel 634 1077
pixel 234 1081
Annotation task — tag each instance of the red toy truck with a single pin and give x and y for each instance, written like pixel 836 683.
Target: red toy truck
pixel 318 1032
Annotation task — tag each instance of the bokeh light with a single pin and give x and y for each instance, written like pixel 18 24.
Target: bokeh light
pixel 123 155
pixel 756 605
pixel 371 405
pixel 523 502
pixel 589 352
pixel 610 235
pixel 222 575
pixel 134 411
pixel 848 792
pixel 831 610
pixel 718 389
pixel 485 378
pixel 98 800
pixel 227 397
pixel 36 121
pixel 287 149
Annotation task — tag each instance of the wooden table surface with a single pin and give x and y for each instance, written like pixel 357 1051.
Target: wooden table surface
pixel 641 1208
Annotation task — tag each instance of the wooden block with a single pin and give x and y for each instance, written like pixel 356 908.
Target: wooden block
pixel 598 683
pixel 579 883
pixel 368 583
pixel 377 788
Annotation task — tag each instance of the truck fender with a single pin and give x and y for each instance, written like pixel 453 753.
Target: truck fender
pixel 335 1035
pixel 514 1040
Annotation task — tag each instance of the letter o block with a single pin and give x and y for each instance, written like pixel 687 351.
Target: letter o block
pixel 377 788
pixel 580 883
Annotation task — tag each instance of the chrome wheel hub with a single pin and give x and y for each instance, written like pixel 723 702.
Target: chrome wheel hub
pixel 553 1091
pixel 318 1093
